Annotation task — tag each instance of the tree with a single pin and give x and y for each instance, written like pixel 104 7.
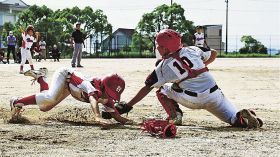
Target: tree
pixel 252 45
pixel 163 17
pixel 58 25
pixel 8 26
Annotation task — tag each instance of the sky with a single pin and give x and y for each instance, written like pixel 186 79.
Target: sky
pixel 260 18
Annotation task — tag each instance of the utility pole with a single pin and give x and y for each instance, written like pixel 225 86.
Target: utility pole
pixel 226 27
pixel 171 18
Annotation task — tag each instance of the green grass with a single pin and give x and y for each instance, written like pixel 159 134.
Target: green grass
pixel 251 55
pixel 147 54
pixel 123 54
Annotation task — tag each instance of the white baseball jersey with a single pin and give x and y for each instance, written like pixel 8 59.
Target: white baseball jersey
pixel 171 71
pixel 42 45
pixel 199 39
pixel 27 40
pixel 81 88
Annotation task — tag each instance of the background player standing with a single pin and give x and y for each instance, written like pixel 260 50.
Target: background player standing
pixel 43 45
pixel 27 42
pixel 55 53
pixel 78 38
pixel 11 43
pixel 199 38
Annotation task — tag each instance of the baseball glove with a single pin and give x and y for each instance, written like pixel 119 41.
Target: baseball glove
pixel 159 128
pixel 121 107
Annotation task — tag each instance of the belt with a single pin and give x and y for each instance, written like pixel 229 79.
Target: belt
pixel 27 48
pixel 213 89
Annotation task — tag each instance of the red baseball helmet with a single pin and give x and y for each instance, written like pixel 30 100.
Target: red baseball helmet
pixel 169 39
pixel 114 86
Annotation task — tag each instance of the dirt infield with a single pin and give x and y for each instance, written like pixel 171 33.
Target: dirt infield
pixel 70 130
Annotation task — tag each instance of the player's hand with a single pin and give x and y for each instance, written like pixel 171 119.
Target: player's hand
pixel 103 121
pixel 132 122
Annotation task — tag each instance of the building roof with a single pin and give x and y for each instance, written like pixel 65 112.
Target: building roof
pixel 212 25
pixel 128 32
pixel 16 3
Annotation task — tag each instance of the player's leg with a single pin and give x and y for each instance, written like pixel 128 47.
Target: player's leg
pixel 79 57
pixel 44 54
pixel 8 54
pixel 57 92
pixel 171 107
pixel 219 106
pixel 29 58
pixel 75 54
pixel 200 101
pixel 14 54
pixel 47 99
pixel 58 56
pixel 23 59
pixel 222 108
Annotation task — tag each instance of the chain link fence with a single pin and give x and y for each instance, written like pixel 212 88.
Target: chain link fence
pixel 271 42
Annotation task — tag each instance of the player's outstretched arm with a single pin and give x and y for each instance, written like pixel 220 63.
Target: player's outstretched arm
pixel 97 115
pixel 119 118
pixel 140 95
pixel 211 58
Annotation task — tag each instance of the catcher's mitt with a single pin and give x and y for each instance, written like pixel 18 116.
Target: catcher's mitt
pixel 121 107
pixel 159 128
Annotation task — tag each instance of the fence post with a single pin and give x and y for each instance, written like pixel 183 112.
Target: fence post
pixel 236 47
pixel 270 46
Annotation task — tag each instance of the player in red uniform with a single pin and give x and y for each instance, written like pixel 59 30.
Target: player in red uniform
pixel 66 82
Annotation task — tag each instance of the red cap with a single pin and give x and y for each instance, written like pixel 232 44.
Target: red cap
pixel 169 39
pixel 114 86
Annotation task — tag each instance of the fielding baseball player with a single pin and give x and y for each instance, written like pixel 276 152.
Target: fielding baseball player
pixel 67 82
pixel 27 42
pixel 199 38
pixel 182 77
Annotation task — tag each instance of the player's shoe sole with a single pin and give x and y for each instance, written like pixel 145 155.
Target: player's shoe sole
pixel 15 110
pixel 251 120
pixel 37 73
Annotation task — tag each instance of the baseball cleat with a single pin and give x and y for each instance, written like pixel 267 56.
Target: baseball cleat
pixel 42 72
pixel 15 110
pixel 250 119
pixel 178 120
pixel 21 72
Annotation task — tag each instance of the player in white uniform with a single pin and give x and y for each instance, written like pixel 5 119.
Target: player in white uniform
pixel 27 42
pixel 67 82
pixel 183 78
pixel 199 38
